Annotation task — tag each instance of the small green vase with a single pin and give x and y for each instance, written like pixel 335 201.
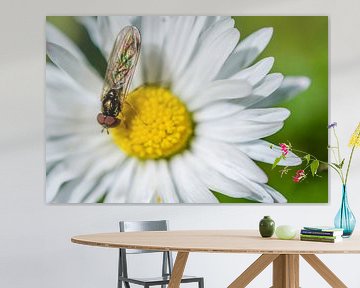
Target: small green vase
pixel 267 227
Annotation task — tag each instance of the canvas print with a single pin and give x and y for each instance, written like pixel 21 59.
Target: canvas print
pixel 186 109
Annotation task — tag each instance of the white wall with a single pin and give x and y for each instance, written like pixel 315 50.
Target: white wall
pixel 35 248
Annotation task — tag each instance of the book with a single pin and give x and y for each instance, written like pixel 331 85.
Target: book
pixel 324 240
pixel 323 228
pixel 321 233
pixel 320 236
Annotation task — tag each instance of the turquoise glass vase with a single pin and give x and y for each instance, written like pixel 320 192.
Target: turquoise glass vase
pixel 345 219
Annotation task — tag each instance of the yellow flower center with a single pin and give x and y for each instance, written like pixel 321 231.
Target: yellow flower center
pixel 155 124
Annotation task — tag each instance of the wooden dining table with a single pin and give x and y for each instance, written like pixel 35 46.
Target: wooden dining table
pixel 283 254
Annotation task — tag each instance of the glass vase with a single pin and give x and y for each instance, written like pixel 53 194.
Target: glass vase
pixel 345 219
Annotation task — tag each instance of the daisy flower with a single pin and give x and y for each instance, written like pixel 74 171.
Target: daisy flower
pixel 202 108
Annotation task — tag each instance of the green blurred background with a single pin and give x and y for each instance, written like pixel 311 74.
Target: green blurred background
pixel 300 47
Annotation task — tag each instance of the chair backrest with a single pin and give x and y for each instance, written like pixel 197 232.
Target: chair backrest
pixel 135 226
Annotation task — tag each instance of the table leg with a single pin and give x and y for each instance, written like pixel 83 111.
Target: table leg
pixel 253 270
pixel 178 269
pixel 324 271
pixel 286 271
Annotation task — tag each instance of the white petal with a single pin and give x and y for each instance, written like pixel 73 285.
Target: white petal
pixel 229 160
pixel 216 111
pixel 220 90
pixel 82 73
pixel 180 49
pixel 260 150
pixel 61 148
pixel 216 181
pixel 210 20
pixel 57 79
pixel 144 183
pixel 165 185
pixel 265 115
pixel 109 27
pixel 248 125
pixel 277 196
pixel 98 169
pixel 104 184
pixel 290 87
pixel 257 72
pixel 66 189
pixel 216 30
pixel 264 88
pixel 176 50
pixel 243 131
pixel 55 179
pixel 62 173
pixel 122 184
pixel 153 34
pixel 270 83
pixel 70 112
pixel 246 52
pixel 106 33
pixel 235 113
pixel 184 39
pixel 257 40
pixel 67 100
pixel 117 23
pixel 57 127
pixel 54 35
pixel 206 64
pixel 188 184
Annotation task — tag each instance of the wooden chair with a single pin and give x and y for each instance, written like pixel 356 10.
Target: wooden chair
pixel 167 262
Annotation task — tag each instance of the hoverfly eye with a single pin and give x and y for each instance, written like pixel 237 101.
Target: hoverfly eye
pixel 110 121
pixel 101 118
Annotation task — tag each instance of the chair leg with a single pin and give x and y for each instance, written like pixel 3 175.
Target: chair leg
pixel 201 283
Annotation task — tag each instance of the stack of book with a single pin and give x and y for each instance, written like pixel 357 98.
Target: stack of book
pixel 321 234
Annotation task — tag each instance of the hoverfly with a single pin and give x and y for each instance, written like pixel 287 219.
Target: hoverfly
pixel 119 73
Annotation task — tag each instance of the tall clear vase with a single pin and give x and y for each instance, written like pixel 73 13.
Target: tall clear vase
pixel 345 219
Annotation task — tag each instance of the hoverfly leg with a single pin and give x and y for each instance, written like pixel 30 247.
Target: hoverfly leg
pixel 123 120
pixel 105 128
pixel 137 114
pixel 131 106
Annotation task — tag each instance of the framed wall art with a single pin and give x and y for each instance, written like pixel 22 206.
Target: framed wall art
pixel 185 109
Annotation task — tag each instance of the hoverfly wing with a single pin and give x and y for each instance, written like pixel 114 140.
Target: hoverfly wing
pixel 122 62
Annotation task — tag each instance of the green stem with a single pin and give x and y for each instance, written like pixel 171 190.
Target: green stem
pixel 338 149
pixel 326 163
pixel 348 167
pixel 334 155
pixel 338 145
